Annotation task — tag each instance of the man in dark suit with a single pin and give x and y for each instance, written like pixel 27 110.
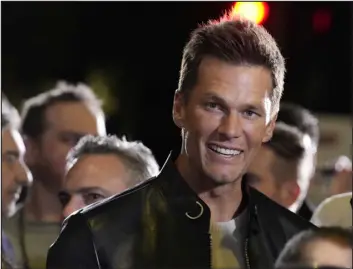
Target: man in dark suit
pixel 304 120
pixel 198 213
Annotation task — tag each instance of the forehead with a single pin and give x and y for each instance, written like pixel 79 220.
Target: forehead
pixel 72 116
pixel 11 141
pixel 95 170
pixel 321 248
pixel 221 75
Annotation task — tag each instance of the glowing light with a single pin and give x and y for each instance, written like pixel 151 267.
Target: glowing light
pixel 255 11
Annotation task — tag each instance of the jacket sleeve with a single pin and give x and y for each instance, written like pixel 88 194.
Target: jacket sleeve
pixel 74 248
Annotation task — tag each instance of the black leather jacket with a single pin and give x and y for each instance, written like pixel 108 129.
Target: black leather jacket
pixel 163 224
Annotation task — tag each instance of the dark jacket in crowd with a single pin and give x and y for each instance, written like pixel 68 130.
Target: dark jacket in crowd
pixel 306 210
pixel 148 227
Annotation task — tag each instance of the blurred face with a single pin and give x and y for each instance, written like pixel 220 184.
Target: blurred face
pixel 261 176
pixel 326 253
pixel 66 123
pixel 225 120
pixel 91 179
pixel 14 172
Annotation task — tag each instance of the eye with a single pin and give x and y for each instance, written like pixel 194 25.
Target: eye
pixel 10 158
pixel 250 114
pixel 70 139
pixel 64 198
pixel 91 198
pixel 213 106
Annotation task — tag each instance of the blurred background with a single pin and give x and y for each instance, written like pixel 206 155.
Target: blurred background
pixel 130 52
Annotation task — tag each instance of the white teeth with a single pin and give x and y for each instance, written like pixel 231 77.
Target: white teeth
pixel 225 151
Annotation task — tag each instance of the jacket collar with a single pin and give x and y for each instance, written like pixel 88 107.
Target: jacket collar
pixel 184 201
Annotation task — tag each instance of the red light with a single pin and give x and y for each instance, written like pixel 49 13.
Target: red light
pixel 255 11
pixel 322 21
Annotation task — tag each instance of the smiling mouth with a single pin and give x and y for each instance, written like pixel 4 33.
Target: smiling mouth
pixel 224 151
pixel 15 192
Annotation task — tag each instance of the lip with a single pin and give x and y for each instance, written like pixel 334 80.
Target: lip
pixel 225 146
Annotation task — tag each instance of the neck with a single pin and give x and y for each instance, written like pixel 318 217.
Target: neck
pixel 43 205
pixel 224 201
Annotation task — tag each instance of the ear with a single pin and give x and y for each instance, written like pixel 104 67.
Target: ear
pixel 179 109
pixel 32 150
pixel 291 192
pixel 269 129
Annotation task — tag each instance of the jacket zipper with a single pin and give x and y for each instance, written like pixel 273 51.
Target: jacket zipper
pixel 210 262
pixel 247 260
pixel 246 247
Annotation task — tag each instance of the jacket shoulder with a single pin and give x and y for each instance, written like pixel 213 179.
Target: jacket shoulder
pixel 290 222
pixel 117 199
pixel 109 213
pixel 75 235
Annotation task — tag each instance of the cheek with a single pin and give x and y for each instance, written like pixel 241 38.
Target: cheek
pixel 202 125
pixel 75 204
pixel 199 131
pixel 55 153
pixel 6 177
pixel 254 133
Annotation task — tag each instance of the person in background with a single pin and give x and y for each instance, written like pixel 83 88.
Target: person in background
pixel 301 118
pixel 329 246
pixel 334 211
pixel 198 212
pixel 14 172
pixel 280 167
pixel 101 166
pixel 52 123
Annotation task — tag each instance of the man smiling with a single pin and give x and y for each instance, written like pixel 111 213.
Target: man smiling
pixel 198 213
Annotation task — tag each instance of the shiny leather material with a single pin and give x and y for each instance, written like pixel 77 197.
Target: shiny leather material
pixel 163 224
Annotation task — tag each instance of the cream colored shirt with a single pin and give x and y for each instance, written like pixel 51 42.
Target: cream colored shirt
pixel 38 238
pixel 227 243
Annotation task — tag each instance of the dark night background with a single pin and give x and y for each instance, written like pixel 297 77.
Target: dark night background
pixel 130 53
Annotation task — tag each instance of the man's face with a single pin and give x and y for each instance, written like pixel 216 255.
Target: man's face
pixel 261 175
pixel 14 172
pixel 93 178
pixel 66 123
pixel 326 253
pixel 226 118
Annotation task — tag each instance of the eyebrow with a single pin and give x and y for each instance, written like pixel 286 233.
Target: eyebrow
pixel 214 97
pixel 72 133
pixel 247 106
pixel 89 189
pixel 257 107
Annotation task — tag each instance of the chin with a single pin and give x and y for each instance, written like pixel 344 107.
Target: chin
pixel 222 177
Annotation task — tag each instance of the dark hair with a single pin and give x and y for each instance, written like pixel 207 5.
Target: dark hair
pixel 133 153
pixel 300 117
pixel 9 114
pixel 233 40
pixel 296 250
pixel 286 142
pixel 33 111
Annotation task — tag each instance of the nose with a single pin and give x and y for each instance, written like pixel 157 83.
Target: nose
pixel 230 126
pixel 72 206
pixel 23 174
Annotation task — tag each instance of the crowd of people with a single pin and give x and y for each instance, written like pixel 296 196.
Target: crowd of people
pixel 235 196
